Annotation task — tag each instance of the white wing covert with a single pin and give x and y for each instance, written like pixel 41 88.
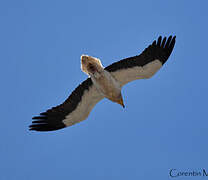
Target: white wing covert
pixel 75 109
pixel 144 65
pixel 82 100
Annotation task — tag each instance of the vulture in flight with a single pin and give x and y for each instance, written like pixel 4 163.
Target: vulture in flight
pixel 104 83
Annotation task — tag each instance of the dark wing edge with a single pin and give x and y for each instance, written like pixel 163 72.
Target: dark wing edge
pixel 160 49
pixel 53 118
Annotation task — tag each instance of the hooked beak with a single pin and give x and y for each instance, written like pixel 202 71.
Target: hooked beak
pixel 120 101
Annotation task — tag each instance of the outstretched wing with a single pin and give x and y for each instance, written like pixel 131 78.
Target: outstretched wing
pixel 144 65
pixel 75 109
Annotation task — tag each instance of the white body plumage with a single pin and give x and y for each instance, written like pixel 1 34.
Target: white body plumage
pixel 105 83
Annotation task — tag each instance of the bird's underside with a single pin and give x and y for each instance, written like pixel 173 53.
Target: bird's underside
pixel 104 82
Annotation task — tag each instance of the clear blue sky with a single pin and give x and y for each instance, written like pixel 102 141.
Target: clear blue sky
pixel 165 122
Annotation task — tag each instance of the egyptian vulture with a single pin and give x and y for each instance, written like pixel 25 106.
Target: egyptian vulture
pixel 104 83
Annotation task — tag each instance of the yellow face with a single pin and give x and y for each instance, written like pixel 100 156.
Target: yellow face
pixel 118 100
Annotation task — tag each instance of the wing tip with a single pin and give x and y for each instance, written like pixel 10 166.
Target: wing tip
pixel 159 49
pixel 45 127
pixel 41 123
pixel 166 47
pixel 53 119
